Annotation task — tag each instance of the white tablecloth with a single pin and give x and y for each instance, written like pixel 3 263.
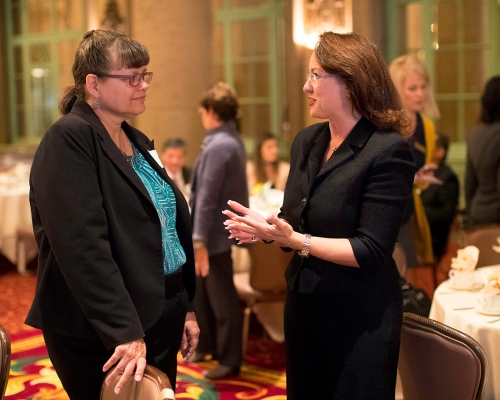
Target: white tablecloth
pixel 455 308
pixel 14 212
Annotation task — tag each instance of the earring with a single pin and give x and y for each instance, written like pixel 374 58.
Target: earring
pixel 97 104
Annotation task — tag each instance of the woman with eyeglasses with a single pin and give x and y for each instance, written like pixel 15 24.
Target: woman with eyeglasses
pixel 349 184
pixel 116 266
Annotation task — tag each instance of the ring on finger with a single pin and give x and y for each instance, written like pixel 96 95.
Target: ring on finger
pixel 253 238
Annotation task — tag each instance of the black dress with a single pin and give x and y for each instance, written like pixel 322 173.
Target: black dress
pixel 342 324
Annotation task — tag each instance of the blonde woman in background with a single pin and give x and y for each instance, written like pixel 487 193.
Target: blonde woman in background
pixel 411 78
pixel 266 166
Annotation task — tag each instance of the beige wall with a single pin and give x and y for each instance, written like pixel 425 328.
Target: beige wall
pixel 178 37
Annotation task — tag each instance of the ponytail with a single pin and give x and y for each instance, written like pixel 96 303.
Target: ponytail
pixel 68 99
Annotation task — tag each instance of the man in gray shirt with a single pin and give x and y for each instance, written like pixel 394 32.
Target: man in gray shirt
pixel 219 175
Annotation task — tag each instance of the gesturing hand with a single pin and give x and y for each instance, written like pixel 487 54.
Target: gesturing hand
pixel 129 356
pixel 251 226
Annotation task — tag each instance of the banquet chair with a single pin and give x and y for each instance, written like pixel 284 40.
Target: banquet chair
pixel 484 237
pixel 154 385
pixel 263 289
pixel 438 362
pixel 4 360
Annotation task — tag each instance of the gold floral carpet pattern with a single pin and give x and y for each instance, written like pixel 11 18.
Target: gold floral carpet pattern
pixel 33 377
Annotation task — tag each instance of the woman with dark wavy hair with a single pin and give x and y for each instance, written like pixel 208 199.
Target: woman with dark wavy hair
pixel 266 166
pixel 116 266
pixel 482 178
pixel 349 185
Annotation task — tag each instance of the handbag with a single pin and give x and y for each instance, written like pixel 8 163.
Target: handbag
pixel 415 300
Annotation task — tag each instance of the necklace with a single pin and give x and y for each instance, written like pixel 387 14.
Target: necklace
pixel 121 141
pixel 334 149
pixel 127 157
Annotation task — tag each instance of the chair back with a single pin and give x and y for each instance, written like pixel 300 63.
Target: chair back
pixel 438 362
pixel 4 360
pixel 484 237
pixel 268 264
pixel 154 385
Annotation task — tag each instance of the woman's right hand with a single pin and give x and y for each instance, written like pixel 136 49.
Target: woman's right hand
pixel 129 357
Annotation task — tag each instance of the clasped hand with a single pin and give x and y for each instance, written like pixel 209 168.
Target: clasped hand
pixel 250 226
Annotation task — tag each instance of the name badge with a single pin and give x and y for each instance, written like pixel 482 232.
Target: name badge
pixel 154 154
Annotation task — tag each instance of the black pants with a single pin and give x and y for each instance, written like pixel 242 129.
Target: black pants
pixel 78 362
pixel 219 314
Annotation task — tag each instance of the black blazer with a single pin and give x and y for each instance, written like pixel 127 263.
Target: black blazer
pixel 361 194
pixel 482 175
pixel 100 272
pixel 186 174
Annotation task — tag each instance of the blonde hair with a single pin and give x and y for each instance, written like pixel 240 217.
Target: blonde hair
pixel 401 67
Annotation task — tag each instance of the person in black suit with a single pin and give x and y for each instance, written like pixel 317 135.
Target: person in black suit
pixel 349 185
pixel 173 157
pixel 440 200
pixel 116 270
pixel 482 175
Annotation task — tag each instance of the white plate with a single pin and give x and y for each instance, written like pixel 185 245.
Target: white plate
pixel 480 310
pixel 475 286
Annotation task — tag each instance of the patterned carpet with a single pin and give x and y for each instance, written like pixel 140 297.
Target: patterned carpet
pixel 32 376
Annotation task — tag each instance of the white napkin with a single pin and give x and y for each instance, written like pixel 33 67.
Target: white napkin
pixel 492 283
pixel 466 259
pixel 496 248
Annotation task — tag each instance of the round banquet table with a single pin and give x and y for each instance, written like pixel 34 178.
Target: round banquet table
pixel 456 308
pixel 14 212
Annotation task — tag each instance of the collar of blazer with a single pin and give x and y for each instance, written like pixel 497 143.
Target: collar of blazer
pixel 141 142
pixel 315 145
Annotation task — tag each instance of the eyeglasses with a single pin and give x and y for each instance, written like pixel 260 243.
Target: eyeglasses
pixel 314 78
pixel 134 79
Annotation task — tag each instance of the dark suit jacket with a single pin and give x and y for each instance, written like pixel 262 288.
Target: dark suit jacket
pixel 440 202
pixel 482 177
pixel 100 272
pixel 361 194
pixel 186 174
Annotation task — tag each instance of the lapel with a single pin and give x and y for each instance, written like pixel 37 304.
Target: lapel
pixel 111 150
pixel 352 144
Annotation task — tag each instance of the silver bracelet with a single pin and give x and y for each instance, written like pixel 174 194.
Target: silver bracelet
pixel 304 252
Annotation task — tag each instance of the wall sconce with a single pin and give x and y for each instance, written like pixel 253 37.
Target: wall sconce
pixel 313 17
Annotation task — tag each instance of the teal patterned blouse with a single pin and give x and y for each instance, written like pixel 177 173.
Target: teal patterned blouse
pixel 163 198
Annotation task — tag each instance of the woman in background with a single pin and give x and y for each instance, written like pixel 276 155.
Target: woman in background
pixel 116 270
pixel 412 80
pixel 349 184
pixel 266 166
pixel 482 178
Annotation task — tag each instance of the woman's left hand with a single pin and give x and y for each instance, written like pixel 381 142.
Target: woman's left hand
pixel 252 227
pixel 129 356
pixel 190 336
